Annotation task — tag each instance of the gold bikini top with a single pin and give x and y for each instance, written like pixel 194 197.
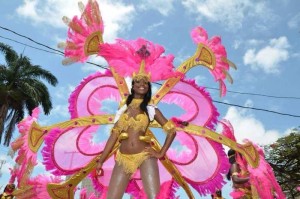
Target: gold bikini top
pixel 138 123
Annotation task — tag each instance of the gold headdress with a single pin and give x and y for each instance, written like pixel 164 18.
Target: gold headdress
pixel 142 74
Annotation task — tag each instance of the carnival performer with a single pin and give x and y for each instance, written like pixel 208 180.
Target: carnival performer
pixel 132 150
pixel 250 182
pixel 217 195
pixel 239 177
pixel 8 190
pixel 135 152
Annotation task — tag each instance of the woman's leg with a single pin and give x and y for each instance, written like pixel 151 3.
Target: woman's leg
pixel 150 177
pixel 118 182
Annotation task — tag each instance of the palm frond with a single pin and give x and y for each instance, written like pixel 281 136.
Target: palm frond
pixel 35 71
pixel 10 128
pixel 10 54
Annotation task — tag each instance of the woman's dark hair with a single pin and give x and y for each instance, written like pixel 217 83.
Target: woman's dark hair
pixel 231 157
pixel 146 100
pixel 9 186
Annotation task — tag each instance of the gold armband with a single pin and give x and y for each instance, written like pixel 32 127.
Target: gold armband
pixel 169 127
pixel 116 130
pixel 235 174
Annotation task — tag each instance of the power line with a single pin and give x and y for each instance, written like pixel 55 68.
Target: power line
pixel 32 40
pixel 258 109
pixel 30 46
pixel 244 93
pixel 257 94
pixel 247 107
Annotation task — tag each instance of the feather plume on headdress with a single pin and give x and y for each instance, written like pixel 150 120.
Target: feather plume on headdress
pixel 212 54
pixel 125 58
pixel 84 33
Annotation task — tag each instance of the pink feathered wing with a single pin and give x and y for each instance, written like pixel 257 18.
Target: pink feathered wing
pixel 87 99
pixel 263 179
pixel 25 155
pixel 202 162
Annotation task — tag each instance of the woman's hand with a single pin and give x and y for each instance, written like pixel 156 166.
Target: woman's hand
pixel 99 169
pixel 154 153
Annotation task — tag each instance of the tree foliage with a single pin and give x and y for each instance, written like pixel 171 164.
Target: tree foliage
pixel 21 89
pixel 284 157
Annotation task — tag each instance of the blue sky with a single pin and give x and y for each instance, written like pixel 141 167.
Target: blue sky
pixel 261 37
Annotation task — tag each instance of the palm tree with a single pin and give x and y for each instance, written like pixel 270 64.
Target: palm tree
pixel 21 89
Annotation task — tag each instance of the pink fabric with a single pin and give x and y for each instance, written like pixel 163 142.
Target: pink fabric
pixel 123 58
pixel 90 94
pixel 86 99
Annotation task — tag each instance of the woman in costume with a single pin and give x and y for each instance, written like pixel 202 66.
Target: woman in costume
pixel 199 145
pixel 240 178
pixel 8 190
pixel 217 195
pixel 135 151
pixel 249 182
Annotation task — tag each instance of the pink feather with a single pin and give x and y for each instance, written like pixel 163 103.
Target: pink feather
pixel 123 58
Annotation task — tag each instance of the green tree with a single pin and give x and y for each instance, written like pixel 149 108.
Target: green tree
pixel 284 157
pixel 21 88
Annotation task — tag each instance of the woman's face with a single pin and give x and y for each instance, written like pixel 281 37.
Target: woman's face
pixel 140 87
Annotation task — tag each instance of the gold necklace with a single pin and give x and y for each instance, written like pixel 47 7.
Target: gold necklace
pixel 135 103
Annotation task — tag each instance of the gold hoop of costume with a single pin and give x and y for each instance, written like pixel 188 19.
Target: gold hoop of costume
pixel 169 127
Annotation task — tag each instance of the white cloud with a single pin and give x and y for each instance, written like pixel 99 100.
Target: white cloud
pixel 254 42
pixel 249 43
pixel 154 26
pixel 116 15
pixel 246 126
pixel 231 14
pixel 164 7
pixel 236 44
pixel 200 80
pixel 49 12
pixel 294 22
pixel 60 110
pixel 269 57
